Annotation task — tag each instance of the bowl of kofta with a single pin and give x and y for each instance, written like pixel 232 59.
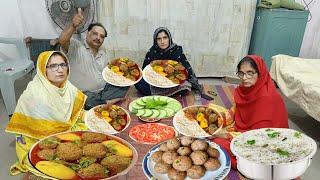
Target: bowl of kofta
pixel 83 155
pixel 186 158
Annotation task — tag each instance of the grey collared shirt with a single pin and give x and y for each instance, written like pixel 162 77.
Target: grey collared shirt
pixel 85 68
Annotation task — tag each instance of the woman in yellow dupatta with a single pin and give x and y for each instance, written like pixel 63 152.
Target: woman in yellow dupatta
pixel 49 105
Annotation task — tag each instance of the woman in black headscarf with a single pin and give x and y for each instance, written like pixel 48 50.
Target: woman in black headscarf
pixel 164 49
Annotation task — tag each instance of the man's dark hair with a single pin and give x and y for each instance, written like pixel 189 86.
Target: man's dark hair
pixel 100 25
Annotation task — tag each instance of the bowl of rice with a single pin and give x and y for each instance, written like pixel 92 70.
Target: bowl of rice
pixel 273 153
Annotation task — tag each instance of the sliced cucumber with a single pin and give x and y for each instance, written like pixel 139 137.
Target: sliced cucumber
pixel 147 99
pixel 137 106
pixel 163 114
pixel 140 112
pixel 170 112
pixel 130 107
pixel 174 107
pixel 163 98
pixel 140 102
pixel 171 100
pixel 158 98
pixel 147 113
pixel 155 113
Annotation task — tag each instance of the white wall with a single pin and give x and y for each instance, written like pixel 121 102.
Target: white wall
pixel 22 18
pixel 36 20
pixel 11 27
pixel 310 47
pixel 215 34
pixel 10 18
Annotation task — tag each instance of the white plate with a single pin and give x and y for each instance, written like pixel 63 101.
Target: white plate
pixel 109 77
pixel 221 173
pixel 97 124
pixel 153 82
pixel 191 128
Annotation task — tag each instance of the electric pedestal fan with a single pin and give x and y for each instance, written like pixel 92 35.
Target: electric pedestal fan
pixel 62 12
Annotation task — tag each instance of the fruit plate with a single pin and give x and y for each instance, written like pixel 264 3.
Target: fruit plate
pixel 98 119
pixel 221 173
pixel 158 107
pixel 66 155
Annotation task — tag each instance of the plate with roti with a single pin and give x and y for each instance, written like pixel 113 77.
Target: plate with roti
pixel 198 121
pixel 165 73
pixel 107 118
pixel 122 72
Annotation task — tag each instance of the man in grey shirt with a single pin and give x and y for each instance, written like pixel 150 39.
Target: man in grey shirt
pixel 87 61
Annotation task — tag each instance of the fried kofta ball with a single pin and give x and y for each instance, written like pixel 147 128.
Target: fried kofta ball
pixel 47 154
pixel 116 163
pixel 161 167
pixel 184 151
pixel 94 170
pixel 199 157
pixel 213 152
pixel 91 137
pixel 212 128
pixel 173 144
pixel 202 109
pixel 49 143
pixel 213 118
pixel 121 112
pixel 209 111
pixel 68 151
pixel 168 69
pixel 186 141
pixel 157 156
pixel 176 175
pixel 113 114
pixel 163 147
pixel 182 163
pixel 181 76
pixel 199 145
pixel 96 150
pixel 123 67
pixel 169 156
pixel 196 172
pixel 179 67
pixel 212 164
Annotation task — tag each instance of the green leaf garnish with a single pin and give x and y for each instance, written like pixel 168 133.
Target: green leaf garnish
pixel 273 135
pixel 297 134
pixel 251 142
pixel 282 152
pixel 154 104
